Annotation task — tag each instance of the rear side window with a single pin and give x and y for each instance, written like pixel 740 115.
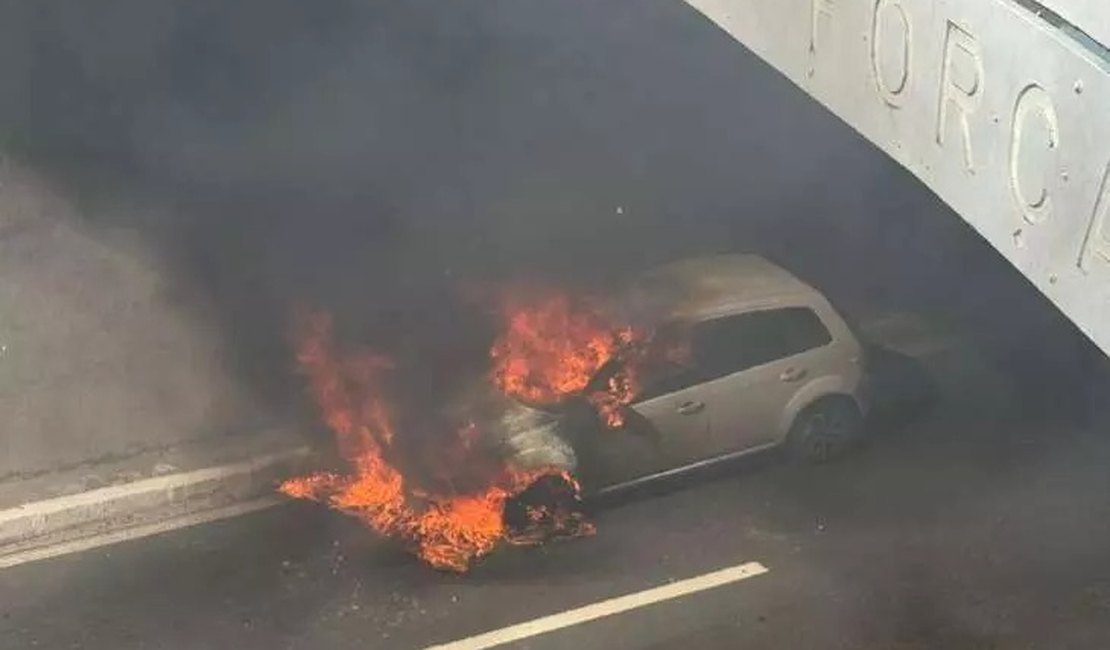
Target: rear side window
pixel 724 346
pixel 734 343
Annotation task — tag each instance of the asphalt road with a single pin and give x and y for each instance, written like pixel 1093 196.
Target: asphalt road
pixel 979 527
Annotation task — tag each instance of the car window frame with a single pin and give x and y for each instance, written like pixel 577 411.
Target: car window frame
pixel 813 308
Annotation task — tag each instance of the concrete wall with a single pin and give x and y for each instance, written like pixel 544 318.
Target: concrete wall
pixel 100 353
pixel 1024 161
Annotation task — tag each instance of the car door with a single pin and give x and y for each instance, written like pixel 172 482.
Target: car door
pixel 772 354
pixel 667 420
pixel 718 401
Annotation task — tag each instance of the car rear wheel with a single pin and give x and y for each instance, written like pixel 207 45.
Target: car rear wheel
pixel 825 430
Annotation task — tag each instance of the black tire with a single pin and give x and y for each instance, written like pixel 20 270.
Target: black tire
pixel 549 509
pixel 825 430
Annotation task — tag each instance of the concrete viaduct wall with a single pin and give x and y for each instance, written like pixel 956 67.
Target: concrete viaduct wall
pixel 1002 107
pixel 99 357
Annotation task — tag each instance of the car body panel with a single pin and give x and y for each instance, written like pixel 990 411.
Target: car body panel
pixel 732 414
pixel 678 422
pixel 756 406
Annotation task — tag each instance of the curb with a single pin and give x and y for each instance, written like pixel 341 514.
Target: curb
pixel 70 523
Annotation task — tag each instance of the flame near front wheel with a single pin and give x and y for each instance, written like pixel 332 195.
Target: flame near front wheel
pixel 446 530
pixel 550 350
pixel 549 509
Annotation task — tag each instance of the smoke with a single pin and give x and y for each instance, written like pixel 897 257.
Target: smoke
pixel 370 158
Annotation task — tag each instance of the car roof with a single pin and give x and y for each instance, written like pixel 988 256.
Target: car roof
pixel 705 286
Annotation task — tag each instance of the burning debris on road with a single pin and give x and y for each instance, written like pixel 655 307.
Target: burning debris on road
pixel 551 350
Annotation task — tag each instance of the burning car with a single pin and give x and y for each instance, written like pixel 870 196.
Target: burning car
pixel 741 356
pixel 698 361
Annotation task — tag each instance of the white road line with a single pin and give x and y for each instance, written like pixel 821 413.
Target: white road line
pixel 117 536
pixel 606 608
pixel 157 485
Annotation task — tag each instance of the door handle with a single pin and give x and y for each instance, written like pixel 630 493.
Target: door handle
pixel 690 408
pixel 793 374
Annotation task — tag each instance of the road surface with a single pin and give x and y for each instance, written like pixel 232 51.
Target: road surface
pixel 981 526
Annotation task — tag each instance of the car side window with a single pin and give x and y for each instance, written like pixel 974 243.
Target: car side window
pixel 731 344
pixel 734 343
pixel 803 329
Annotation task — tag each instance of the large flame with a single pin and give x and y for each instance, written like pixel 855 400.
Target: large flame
pixel 446 531
pixel 553 347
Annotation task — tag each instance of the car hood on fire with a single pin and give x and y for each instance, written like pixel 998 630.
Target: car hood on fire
pixel 524 436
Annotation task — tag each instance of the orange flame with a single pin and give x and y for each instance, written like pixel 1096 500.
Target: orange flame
pixel 446 531
pixel 551 348
pixel 554 347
